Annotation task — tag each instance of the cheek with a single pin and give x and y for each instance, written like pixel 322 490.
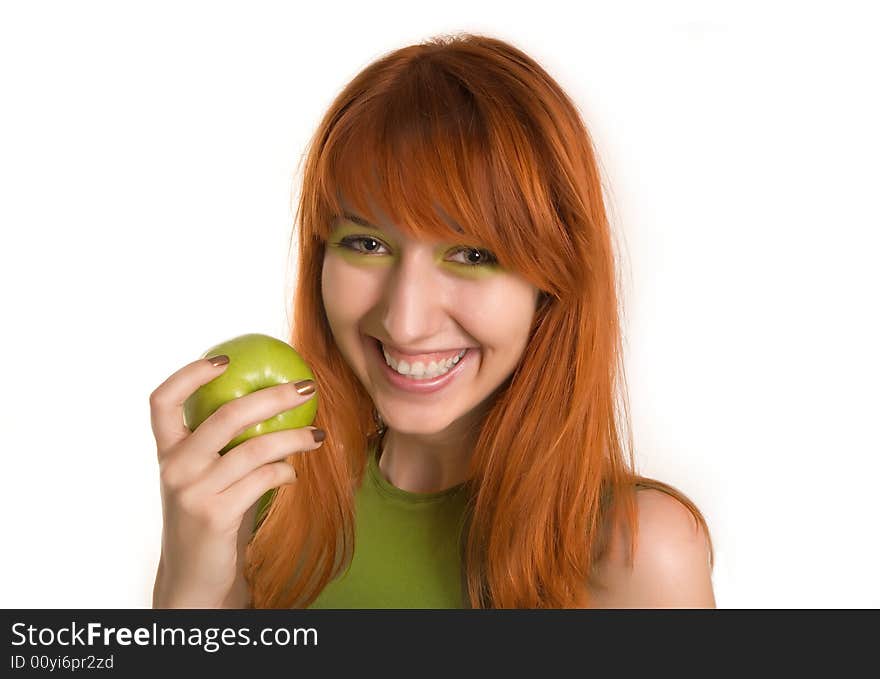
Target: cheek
pixel 499 317
pixel 347 291
pixel 339 307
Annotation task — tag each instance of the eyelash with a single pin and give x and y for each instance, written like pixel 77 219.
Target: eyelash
pixel 489 257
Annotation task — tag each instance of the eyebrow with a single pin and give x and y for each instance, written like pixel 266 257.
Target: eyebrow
pixel 360 220
pixel 363 222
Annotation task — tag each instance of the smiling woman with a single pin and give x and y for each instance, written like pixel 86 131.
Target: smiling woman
pixel 457 304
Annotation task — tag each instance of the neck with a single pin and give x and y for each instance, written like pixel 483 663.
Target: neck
pixel 426 463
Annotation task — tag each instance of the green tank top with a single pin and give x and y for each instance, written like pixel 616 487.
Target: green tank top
pixel 406 551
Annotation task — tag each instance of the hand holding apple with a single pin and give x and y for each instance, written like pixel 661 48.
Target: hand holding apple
pixel 250 401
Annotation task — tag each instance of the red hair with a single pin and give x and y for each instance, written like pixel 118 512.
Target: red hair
pixel 470 128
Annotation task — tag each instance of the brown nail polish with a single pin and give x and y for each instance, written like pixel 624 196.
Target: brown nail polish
pixel 319 435
pixel 222 359
pixel 304 387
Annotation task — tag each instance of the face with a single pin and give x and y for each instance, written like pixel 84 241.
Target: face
pixel 425 302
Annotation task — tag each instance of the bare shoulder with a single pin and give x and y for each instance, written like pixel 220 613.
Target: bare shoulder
pixel 670 567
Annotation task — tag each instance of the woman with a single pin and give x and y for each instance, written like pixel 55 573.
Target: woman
pixel 451 219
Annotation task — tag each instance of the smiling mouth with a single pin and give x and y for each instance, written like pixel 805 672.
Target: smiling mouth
pixel 440 363
pixel 425 379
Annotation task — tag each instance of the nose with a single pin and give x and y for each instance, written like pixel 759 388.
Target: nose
pixel 415 300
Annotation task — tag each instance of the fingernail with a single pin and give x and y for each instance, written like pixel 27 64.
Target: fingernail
pixel 222 359
pixel 304 387
pixel 319 435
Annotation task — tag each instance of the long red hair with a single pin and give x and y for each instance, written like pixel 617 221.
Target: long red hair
pixel 471 129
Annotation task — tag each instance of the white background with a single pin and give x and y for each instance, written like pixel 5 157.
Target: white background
pixel 148 156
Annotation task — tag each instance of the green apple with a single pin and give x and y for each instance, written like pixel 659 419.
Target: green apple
pixel 255 362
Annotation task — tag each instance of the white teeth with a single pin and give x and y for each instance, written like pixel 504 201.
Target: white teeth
pixel 418 370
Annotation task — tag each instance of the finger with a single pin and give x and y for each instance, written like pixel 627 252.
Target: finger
pixel 255 452
pixel 166 401
pixel 241 495
pixel 237 415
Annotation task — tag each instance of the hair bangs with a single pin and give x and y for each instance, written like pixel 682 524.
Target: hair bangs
pixel 422 157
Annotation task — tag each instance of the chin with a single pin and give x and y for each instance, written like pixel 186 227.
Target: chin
pixel 419 423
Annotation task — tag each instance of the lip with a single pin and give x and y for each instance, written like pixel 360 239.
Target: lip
pixel 397 350
pixel 421 386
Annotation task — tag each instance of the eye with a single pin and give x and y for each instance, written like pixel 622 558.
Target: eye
pixel 349 241
pixel 483 257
